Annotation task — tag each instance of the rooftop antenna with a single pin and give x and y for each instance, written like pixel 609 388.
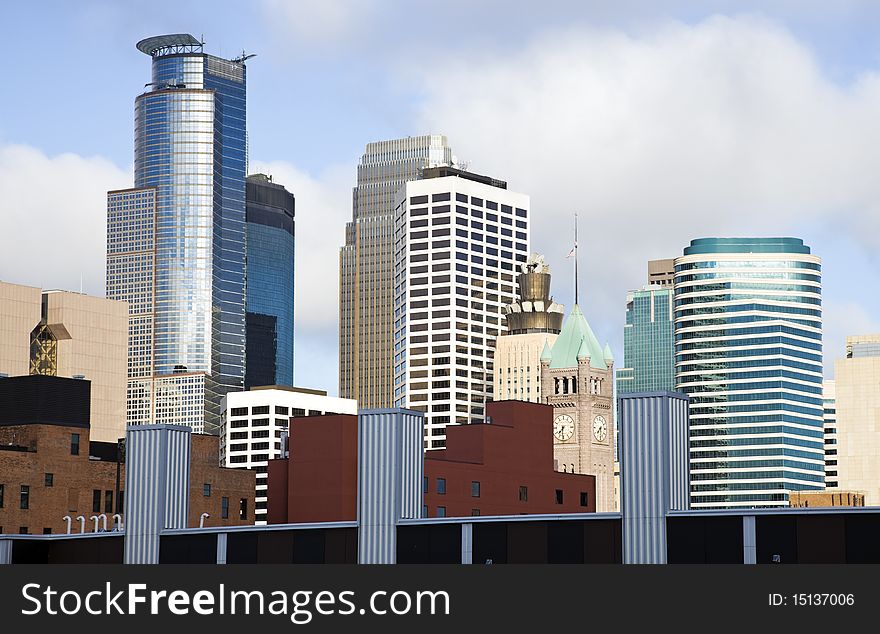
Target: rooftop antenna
pixel 243 57
pixel 575 258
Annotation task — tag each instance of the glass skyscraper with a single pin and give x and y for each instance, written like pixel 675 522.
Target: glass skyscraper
pixel 176 242
pixel 270 273
pixel 748 352
pixel 366 265
pixel 648 350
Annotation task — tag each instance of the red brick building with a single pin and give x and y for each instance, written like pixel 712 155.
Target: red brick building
pixel 49 468
pixel 503 467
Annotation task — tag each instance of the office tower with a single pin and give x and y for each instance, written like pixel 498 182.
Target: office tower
pixel 829 405
pixel 254 422
pixel 661 273
pixel 366 265
pixel 176 241
pixel 648 349
pixel 458 238
pixel 654 481
pixel 857 379
pixel 577 380
pixel 748 352
pixel 270 275
pixel 66 334
pixel 532 321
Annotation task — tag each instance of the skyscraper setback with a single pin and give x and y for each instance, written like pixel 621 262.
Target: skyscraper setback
pixel 176 241
pixel 366 265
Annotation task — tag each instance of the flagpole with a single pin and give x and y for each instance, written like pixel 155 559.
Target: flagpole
pixel 575 258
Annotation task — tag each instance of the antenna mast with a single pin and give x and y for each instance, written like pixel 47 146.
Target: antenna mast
pixel 575 258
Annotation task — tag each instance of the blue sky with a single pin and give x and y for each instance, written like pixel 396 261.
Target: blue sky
pixel 657 121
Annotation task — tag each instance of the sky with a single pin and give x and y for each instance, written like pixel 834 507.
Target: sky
pixel 657 122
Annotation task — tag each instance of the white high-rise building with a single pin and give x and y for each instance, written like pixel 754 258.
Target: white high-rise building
pixel 829 404
pixel 458 241
pixel 252 424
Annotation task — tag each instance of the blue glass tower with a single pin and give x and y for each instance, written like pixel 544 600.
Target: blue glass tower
pixel 748 352
pixel 191 155
pixel 648 350
pixel 270 274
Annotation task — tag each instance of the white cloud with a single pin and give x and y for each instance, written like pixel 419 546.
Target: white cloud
pixel 53 218
pixel 726 127
pixel 318 24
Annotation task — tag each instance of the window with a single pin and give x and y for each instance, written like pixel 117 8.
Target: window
pixel 1 496
pixel 524 494
pixel 206 490
pixel 96 500
pixel 224 508
pixel 25 497
pixel 441 486
pixel 281 410
pixel 262 409
pixel 22 530
pixel 108 501
pixel 47 531
pixel 475 512
pixel 242 509
pixel 425 485
pixel 475 489
pixel 441 511
pixel 239 411
pixel 584 499
pixel 49 479
pixel 559 496
pixel 74 444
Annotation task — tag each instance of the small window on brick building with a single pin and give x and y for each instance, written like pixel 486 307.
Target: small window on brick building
pixel 242 509
pixel 22 530
pixel 559 496
pixel 108 501
pixel 475 512
pixel 585 500
pixel 74 444
pixel 441 511
pixel 47 531
pixel 475 489
pixel 49 479
pixel 25 502
pixel 1 496
pixel 224 508
pixel 441 486
pixel 524 494
pixel 206 490
pixel 96 500
pixel 425 484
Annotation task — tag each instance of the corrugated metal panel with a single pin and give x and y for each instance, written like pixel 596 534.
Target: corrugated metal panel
pixel 5 551
pixel 156 487
pixel 654 470
pixel 390 471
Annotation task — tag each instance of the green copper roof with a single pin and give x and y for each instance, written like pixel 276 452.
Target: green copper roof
pixel 609 358
pixel 545 353
pixel 576 338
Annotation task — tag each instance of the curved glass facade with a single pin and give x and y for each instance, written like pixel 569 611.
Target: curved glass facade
pixel 748 351
pixel 190 151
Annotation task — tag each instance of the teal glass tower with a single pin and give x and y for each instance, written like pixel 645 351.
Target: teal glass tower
pixel 648 350
pixel 176 242
pixel 748 352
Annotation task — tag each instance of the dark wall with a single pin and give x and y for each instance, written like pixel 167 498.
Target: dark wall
pixel 818 539
pixel 312 546
pixel 41 399
pixel 92 550
pixel 704 539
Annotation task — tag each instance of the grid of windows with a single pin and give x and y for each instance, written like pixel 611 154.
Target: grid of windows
pixel 449 295
pixel 648 351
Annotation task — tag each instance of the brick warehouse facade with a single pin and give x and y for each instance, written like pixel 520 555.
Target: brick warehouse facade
pixel 502 467
pixel 49 468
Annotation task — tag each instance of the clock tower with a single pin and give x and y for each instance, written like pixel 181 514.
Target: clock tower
pixel 576 379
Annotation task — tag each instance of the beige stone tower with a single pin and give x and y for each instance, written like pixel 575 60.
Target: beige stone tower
pixel 577 380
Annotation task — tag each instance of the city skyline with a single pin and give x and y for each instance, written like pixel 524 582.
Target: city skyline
pixel 824 198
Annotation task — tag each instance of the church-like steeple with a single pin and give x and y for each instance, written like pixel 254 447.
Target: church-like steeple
pixel 576 333
pixel 546 355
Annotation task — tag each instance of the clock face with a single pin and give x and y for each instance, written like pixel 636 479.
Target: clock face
pixel 563 427
pixel 600 428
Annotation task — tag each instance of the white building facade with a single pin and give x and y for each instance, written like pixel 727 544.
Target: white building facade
pixel 458 241
pixel 253 422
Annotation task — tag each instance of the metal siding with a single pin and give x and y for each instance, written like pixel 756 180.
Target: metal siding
pixel 390 468
pixel 157 467
pixel 654 449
